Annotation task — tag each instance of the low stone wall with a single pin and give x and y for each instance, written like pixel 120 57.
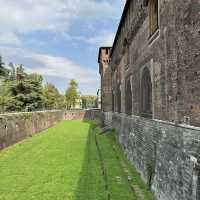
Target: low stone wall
pixel 91 114
pixel 15 127
pixel 171 151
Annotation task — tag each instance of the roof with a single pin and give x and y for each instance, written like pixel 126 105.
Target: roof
pixel 120 24
pixel 100 52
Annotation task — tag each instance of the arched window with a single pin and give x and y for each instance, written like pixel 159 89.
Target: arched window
pixel 113 101
pixel 128 98
pixel 118 99
pixel 146 94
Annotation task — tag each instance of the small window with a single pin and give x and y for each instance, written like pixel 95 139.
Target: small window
pixel 146 94
pixel 128 98
pixel 118 99
pixel 106 50
pixel 125 43
pixel 153 16
pixel 113 102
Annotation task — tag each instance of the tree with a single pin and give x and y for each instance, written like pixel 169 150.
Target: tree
pixel 3 71
pixel 26 91
pixel 20 91
pixel 12 71
pixel 71 94
pixel 52 98
pixel 5 97
pixel 34 95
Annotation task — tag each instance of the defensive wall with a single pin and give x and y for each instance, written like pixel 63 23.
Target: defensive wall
pixel 15 127
pixel 166 154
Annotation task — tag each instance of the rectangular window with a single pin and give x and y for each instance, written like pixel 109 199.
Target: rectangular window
pixel 153 16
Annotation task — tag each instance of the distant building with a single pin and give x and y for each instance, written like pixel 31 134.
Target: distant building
pixel 78 104
pixel 89 101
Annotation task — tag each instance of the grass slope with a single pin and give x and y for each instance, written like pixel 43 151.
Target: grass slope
pixel 68 162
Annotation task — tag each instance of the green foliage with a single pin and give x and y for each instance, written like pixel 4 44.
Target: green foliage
pixel 20 91
pixel 52 98
pixel 71 94
pixel 89 101
pixel 26 90
pixel 3 71
pixel 5 97
pixel 23 92
pixel 69 161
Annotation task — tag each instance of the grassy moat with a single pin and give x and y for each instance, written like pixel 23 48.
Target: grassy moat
pixel 70 161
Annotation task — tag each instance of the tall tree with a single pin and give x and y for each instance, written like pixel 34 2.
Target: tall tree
pixel 26 91
pixel 3 71
pixel 5 97
pixel 52 98
pixel 1 67
pixel 71 94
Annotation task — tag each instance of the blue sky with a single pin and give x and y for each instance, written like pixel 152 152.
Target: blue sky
pixel 59 39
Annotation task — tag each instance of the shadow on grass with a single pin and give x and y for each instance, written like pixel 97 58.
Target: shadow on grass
pixel 91 184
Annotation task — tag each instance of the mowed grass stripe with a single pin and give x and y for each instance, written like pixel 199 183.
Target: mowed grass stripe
pixel 91 184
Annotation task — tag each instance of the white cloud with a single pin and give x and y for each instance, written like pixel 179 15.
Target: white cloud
pixel 44 15
pixel 9 38
pixel 48 65
pixel 103 39
pixel 63 68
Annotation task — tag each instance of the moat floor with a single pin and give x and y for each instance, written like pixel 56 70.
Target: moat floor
pixel 69 161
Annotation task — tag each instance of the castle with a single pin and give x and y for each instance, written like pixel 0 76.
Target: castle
pixel 150 93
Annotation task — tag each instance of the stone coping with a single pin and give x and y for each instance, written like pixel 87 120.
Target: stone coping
pixel 19 113
pixel 160 121
pixel 45 111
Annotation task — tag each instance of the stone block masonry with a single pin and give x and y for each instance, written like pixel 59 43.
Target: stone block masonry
pixel 167 155
pixel 15 127
pixel 91 114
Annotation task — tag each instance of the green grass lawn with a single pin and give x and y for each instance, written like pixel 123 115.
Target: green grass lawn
pixel 69 161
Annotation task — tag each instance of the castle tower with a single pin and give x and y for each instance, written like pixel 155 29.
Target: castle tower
pixel 105 73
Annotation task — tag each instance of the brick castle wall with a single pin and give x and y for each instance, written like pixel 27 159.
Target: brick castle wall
pixel 172 58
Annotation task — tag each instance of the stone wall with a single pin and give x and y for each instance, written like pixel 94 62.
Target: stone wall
pixel 90 114
pixel 108 118
pixel 15 127
pixel 173 151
